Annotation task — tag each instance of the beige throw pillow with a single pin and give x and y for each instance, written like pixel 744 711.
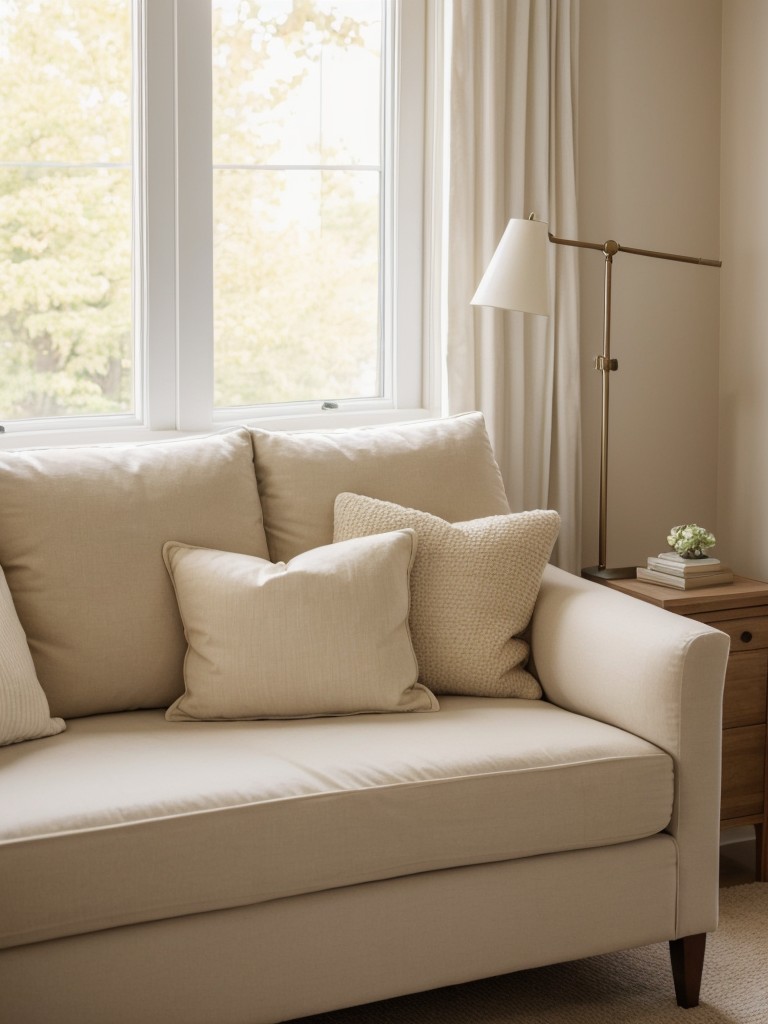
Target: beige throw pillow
pixel 24 712
pixel 415 464
pixel 473 588
pixel 325 634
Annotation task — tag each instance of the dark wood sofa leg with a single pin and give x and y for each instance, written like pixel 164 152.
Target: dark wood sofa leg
pixel 687 956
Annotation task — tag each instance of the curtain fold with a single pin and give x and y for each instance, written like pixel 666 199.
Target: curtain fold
pixel 512 130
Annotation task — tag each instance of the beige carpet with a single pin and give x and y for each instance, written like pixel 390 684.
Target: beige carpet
pixel 633 987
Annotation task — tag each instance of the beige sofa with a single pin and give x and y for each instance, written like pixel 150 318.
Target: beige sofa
pixel 278 861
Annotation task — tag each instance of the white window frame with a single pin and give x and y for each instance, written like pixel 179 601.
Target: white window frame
pixel 174 244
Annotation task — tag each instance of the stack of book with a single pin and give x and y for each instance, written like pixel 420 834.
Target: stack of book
pixel 670 570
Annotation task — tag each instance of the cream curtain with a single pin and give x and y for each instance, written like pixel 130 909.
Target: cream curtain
pixel 513 76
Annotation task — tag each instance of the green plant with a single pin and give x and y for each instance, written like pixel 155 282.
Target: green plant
pixel 690 541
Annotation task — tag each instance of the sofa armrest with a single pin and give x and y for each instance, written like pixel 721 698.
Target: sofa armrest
pixel 655 674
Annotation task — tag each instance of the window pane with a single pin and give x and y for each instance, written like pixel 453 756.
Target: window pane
pixel 296 81
pixel 296 285
pixel 297 199
pixel 66 334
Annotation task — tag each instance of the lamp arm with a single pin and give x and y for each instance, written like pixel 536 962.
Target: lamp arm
pixel 602 247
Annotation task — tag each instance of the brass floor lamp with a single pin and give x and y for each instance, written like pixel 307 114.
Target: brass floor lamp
pixel 517 278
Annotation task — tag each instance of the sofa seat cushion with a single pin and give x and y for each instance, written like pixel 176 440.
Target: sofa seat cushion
pixel 126 817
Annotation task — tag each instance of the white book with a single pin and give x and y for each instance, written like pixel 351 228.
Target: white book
pixel 686 566
pixel 672 556
pixel 668 579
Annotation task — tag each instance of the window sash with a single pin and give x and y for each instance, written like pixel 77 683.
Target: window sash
pixel 173 239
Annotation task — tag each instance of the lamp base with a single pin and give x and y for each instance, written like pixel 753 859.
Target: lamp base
pixel 594 572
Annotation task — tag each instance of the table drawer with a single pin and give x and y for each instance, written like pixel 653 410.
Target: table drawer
pixel 746 689
pixel 743 789
pixel 746 633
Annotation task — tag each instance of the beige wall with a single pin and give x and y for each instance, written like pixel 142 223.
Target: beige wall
pixel 743 476
pixel 649 177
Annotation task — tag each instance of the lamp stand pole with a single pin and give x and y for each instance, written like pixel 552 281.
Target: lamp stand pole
pixel 606 365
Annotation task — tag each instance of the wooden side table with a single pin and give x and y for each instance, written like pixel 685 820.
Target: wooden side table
pixel 741 610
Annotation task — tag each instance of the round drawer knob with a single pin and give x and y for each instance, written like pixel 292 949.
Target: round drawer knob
pixel 746 637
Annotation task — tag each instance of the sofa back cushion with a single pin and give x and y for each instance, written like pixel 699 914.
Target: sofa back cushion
pixel 81 538
pixel 443 466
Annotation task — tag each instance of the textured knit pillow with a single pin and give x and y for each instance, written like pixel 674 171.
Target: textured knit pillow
pixel 325 634
pixel 473 588
pixel 24 712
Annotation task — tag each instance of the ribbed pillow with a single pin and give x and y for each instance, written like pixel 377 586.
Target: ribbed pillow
pixel 325 634
pixel 24 712
pixel 473 589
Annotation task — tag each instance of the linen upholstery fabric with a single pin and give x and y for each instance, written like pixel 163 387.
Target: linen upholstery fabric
pixel 274 961
pixel 81 535
pixel 24 712
pixel 669 691
pixel 473 587
pixel 235 813
pixel 326 634
pixel 443 466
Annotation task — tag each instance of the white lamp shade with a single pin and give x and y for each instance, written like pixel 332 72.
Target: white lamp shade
pixel 518 274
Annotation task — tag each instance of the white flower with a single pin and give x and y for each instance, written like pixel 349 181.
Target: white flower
pixel 690 541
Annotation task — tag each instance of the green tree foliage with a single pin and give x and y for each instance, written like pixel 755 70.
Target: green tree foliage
pixel 296 251
pixel 65 242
